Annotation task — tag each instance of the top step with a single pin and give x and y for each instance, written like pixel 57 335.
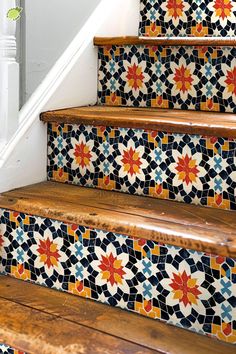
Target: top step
pixel 187 18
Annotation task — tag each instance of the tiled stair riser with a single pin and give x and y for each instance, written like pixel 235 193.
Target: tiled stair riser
pixel 188 18
pixel 188 168
pixel 197 78
pixel 182 287
pixel 5 349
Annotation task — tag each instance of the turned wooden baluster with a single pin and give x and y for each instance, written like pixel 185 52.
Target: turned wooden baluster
pixel 9 74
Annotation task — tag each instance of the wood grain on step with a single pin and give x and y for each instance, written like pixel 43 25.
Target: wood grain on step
pixel 37 332
pixel 188 226
pixel 166 41
pixel 142 331
pixel 176 121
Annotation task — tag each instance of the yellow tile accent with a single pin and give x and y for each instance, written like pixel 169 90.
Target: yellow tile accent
pixel 13 217
pixel 147 309
pixel 199 31
pixel 60 175
pixel 112 134
pixel 156 251
pixel 107 51
pixel 71 230
pixel 20 272
pixel 159 102
pixel 101 131
pixel 106 183
pixel 153 30
pixel 79 289
pixel 209 105
pixel 224 332
pixel 113 100
pixel 158 192
pixel 212 202
pixel 86 234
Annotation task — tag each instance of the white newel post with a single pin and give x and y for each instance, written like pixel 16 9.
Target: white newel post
pixel 9 74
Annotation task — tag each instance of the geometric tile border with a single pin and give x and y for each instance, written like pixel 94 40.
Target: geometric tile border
pixel 188 18
pixel 5 349
pixel 189 168
pixel 197 78
pixel 183 287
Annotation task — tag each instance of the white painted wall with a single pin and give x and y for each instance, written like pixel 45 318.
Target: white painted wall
pixel 50 25
pixel 71 82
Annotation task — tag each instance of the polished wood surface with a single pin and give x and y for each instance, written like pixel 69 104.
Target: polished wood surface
pixel 147 335
pixel 166 41
pixel 188 226
pixel 37 332
pixel 177 121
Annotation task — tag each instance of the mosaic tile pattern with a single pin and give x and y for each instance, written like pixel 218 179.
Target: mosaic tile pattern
pixel 197 78
pixel 188 168
pixel 188 18
pixel 193 290
pixel 5 349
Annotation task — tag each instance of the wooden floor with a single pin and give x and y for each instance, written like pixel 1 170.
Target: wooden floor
pixel 176 121
pixel 188 226
pixel 44 321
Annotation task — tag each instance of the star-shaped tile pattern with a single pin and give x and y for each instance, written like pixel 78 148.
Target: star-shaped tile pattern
pixel 190 289
pixel 189 78
pixel 197 18
pixel 192 169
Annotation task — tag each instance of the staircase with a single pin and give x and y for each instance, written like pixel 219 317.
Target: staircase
pixel 139 208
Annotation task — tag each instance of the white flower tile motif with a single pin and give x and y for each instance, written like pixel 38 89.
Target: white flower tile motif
pixel 131 161
pixel 81 154
pixel 183 80
pixel 187 169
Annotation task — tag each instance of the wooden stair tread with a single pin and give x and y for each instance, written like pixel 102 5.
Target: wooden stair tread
pixel 165 41
pixel 48 318
pixel 177 121
pixel 27 324
pixel 188 226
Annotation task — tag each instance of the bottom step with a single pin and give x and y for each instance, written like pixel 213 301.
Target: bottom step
pixel 39 320
pixel 157 258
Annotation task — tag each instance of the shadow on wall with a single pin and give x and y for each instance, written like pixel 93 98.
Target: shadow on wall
pixel 48 29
